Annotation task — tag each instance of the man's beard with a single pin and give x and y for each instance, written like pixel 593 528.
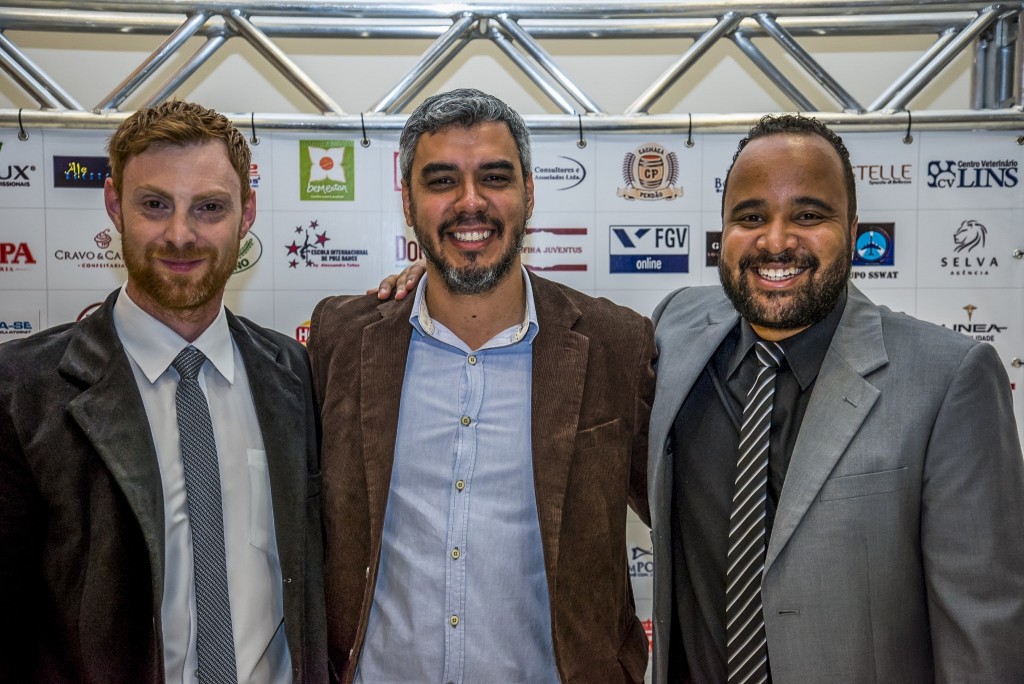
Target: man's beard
pixel 470 279
pixel 791 309
pixel 179 292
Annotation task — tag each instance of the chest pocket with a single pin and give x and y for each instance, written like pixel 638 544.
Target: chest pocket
pixel 261 511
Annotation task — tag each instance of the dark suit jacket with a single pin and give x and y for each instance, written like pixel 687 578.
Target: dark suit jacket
pixel 592 387
pixel 897 553
pixel 81 508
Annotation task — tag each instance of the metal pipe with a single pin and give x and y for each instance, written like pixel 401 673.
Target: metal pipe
pixel 420 83
pixel 982 22
pixel 523 8
pixel 27 82
pixel 935 48
pixel 154 61
pixel 539 55
pixel 643 103
pixel 954 120
pixel 48 85
pixel 538 78
pixel 186 70
pixel 458 28
pixel 289 69
pixel 805 60
pixel 772 72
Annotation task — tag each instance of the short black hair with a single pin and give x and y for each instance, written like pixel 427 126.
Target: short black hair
pixel 796 124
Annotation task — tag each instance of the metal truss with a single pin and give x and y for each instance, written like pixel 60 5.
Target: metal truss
pixel 517 29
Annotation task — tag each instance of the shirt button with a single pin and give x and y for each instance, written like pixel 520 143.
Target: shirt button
pixel 472 359
pixel 453 621
pixel 466 420
pixel 460 485
pixel 456 554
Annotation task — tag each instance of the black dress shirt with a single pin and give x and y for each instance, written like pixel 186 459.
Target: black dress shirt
pixel 705 440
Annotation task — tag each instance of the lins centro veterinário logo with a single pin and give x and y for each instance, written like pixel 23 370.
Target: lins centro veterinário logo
pixel 973 173
pixel 651 173
pixel 327 170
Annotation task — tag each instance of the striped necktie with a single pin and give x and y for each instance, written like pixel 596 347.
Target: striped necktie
pixel 746 643
pixel 215 644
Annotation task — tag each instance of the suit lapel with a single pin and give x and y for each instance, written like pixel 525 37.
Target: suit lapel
pixel 840 402
pixel 383 354
pixel 111 414
pixel 559 369
pixel 685 344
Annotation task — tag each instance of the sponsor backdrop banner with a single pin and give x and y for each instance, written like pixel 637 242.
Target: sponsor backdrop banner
pixel 628 217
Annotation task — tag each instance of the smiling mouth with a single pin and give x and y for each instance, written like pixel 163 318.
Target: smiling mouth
pixel 471 235
pixel 777 274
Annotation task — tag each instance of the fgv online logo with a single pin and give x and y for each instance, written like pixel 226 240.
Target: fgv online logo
pixel 649 249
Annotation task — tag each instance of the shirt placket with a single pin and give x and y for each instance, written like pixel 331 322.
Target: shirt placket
pixel 470 400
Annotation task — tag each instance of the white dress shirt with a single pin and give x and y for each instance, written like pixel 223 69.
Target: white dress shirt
pixel 253 568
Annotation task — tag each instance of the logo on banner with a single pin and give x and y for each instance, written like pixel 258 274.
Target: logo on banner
pixel 713 247
pixel 80 172
pixel 968 237
pixel 649 249
pixel 249 252
pixel 875 244
pixel 555 249
pixel 15 256
pixel 884 174
pixel 650 173
pixel 302 333
pixel 973 174
pixel 567 175
pixel 641 562
pixel 326 170
pixel 314 252
pixel 101 257
pixel 406 250
pixel 254 176
pixel 12 327
pixel 16 175
pixel 978 330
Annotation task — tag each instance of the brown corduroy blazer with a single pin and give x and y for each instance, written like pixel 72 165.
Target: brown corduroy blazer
pixel 593 384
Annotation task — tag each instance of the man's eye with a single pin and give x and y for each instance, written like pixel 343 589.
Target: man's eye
pixel 440 182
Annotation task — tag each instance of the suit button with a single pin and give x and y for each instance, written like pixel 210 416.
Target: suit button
pixel 367 571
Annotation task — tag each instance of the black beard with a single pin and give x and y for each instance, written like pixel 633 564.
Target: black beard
pixel 806 305
pixel 472 279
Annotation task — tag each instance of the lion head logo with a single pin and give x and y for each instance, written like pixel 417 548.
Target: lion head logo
pixel 969 235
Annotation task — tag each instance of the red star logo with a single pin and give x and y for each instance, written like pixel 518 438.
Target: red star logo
pixel 298 229
pixel 293 248
pixel 321 238
pixel 314 224
pixel 293 263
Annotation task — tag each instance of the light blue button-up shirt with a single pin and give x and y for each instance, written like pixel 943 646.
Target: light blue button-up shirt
pixel 461 593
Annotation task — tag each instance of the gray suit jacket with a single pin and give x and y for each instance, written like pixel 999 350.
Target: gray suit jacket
pixel 897 553
pixel 81 508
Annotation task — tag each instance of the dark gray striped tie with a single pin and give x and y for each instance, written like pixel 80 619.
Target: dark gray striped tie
pixel 746 644
pixel 215 645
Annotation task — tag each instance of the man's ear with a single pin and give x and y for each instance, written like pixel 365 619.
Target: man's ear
pixel 407 202
pixel 248 214
pixel 112 203
pixel 529 195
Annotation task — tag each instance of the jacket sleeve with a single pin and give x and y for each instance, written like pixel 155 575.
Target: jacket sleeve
pixel 972 527
pixel 644 398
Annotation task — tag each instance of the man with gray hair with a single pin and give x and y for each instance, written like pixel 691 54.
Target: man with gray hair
pixel 481 439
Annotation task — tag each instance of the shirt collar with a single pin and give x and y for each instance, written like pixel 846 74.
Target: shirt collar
pixel 154 346
pixel 804 351
pixel 527 330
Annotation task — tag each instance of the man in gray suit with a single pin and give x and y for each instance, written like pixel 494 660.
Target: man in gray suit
pixel 881 532
pixel 133 550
